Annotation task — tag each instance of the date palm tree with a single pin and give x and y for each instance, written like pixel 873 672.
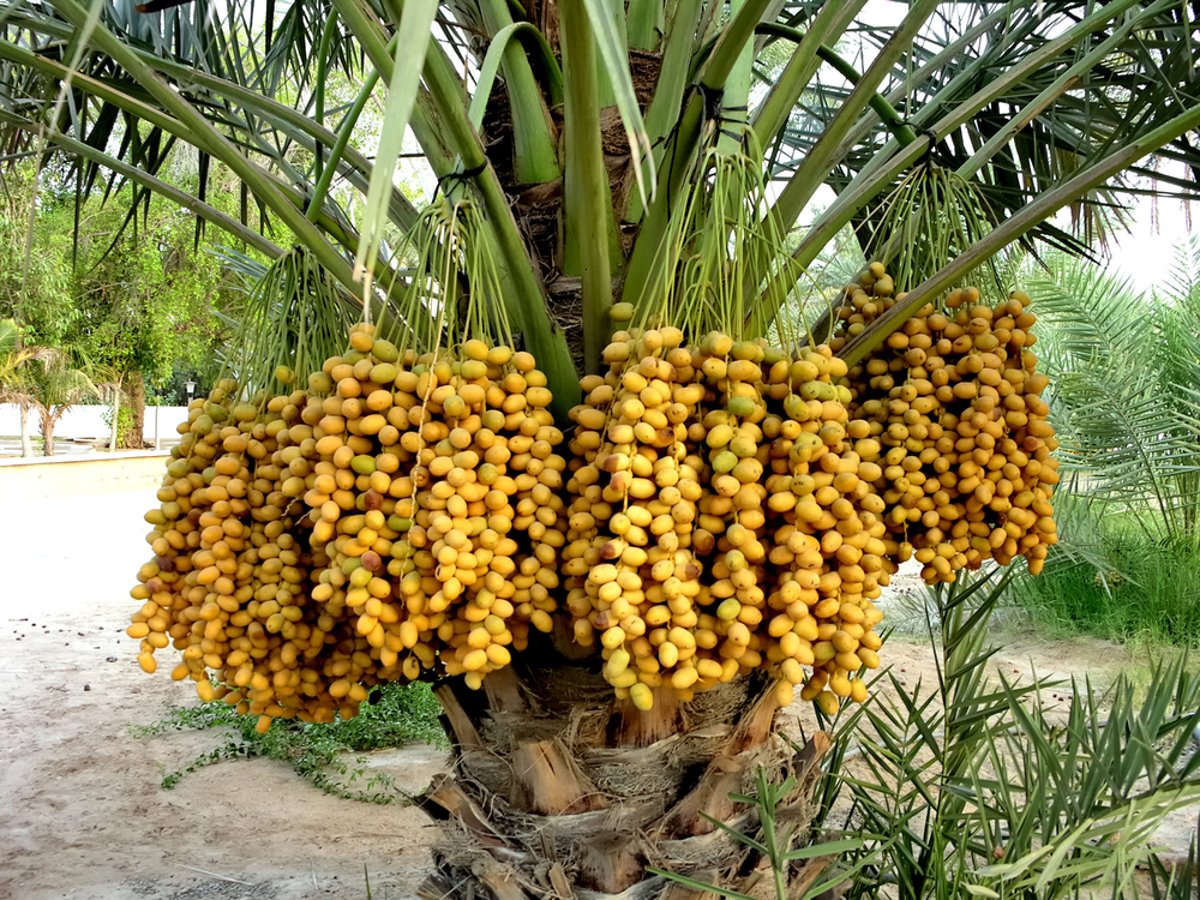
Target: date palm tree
pixel 1125 371
pixel 938 138
pixel 52 385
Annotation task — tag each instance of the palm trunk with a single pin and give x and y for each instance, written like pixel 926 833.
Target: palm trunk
pixel 49 418
pixel 115 431
pixel 26 436
pixel 559 790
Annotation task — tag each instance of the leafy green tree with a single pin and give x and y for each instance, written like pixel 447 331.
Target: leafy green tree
pixel 144 303
pixel 136 297
pixel 1125 371
pixel 35 272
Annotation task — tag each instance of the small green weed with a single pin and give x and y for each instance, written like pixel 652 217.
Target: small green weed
pixel 398 714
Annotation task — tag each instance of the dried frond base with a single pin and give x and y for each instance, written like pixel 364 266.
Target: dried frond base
pixel 560 791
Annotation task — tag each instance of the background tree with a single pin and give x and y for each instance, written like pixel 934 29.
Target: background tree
pixel 1125 375
pixel 136 295
pixel 35 272
pixel 50 384
pixel 1126 370
pixel 147 302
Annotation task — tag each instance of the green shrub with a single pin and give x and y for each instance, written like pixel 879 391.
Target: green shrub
pixel 1136 587
pixel 972 785
pixel 124 422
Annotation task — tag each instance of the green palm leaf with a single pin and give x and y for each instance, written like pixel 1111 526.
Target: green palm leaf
pixel 1125 371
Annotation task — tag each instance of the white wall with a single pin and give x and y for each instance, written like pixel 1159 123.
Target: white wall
pixel 83 422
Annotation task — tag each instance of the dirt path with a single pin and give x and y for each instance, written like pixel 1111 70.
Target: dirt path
pixel 84 814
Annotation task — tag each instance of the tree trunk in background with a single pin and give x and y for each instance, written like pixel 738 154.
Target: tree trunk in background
pixel 49 419
pixel 26 437
pixel 135 390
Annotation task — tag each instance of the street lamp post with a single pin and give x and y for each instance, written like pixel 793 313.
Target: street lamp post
pixel 190 386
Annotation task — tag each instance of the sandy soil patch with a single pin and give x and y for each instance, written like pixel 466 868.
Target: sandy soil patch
pixel 84 814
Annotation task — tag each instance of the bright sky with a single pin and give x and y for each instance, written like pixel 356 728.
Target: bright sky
pixel 1148 252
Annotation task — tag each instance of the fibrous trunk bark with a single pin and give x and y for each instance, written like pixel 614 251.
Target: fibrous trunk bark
pixel 558 790
pixel 49 418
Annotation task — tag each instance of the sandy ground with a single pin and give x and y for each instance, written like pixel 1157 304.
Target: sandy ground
pixel 83 813
pixel 82 810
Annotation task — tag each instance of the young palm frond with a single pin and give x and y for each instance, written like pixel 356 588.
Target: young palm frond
pixel 989 792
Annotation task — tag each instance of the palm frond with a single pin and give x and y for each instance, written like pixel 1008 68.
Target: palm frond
pixel 1000 60
pixel 1125 371
pixel 54 381
pixel 10 337
pixel 1034 106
